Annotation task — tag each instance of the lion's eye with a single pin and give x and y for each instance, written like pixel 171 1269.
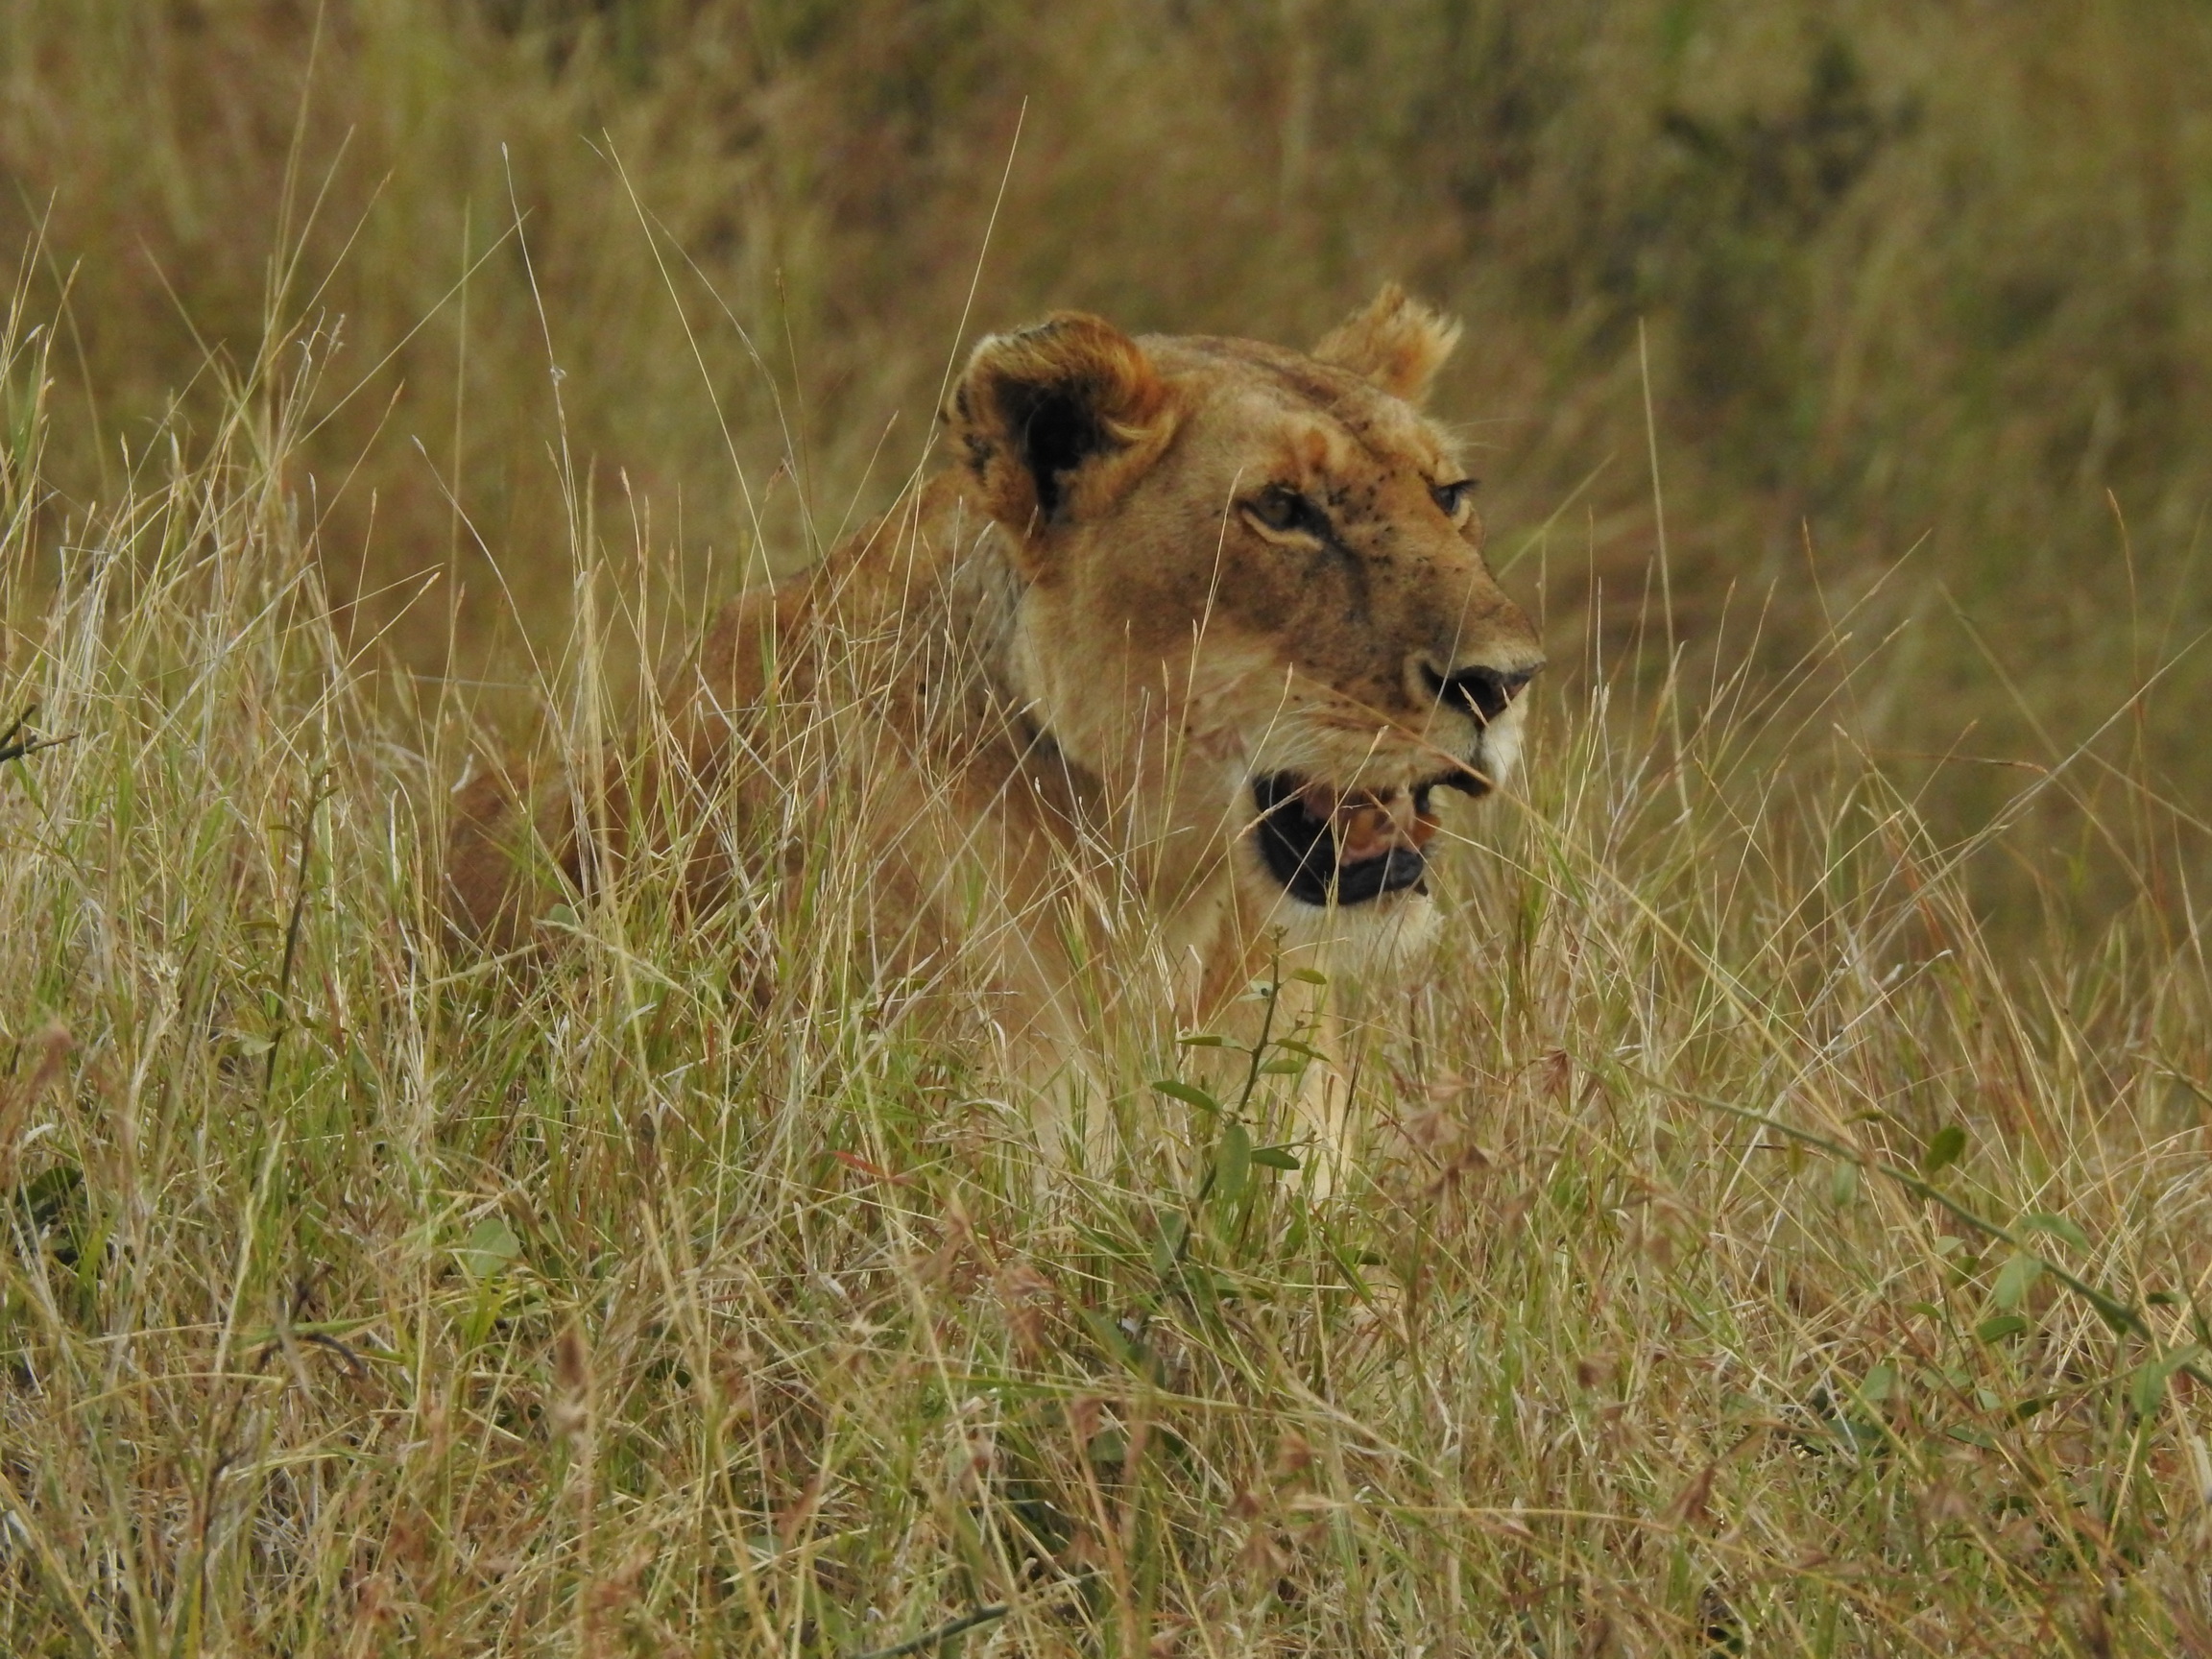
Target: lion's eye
pixel 1455 497
pixel 1282 509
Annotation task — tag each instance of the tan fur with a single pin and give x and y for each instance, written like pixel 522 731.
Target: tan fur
pixel 1057 669
pixel 1395 342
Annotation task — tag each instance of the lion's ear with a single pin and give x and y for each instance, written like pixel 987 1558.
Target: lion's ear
pixel 1054 421
pixel 1395 342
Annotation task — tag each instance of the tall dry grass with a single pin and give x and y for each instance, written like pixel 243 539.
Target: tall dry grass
pixel 1925 289
pixel 1748 1254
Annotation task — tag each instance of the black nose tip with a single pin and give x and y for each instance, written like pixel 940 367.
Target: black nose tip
pixel 1483 691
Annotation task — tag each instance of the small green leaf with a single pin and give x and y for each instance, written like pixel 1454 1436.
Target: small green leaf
pixel 2147 1388
pixel 1308 975
pixel 1944 1148
pixel 2163 1299
pixel 1292 1045
pixel 1349 1268
pixel 2116 1316
pixel 1189 1094
pixel 1109 1335
pixel 1204 1039
pixel 2004 1325
pixel 1843 1186
pixel 492 1247
pixel 2057 1226
pixel 1168 1248
pixel 1274 1158
pixel 1282 1067
pixel 2016 1279
pixel 1880 1383
pixel 1233 1163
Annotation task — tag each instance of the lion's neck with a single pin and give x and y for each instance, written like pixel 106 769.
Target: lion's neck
pixel 984 593
pixel 1063 799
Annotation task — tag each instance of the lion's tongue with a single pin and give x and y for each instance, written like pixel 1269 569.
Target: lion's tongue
pixel 1366 825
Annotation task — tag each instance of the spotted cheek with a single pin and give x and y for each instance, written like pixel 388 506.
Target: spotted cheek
pixel 1297 628
pixel 1264 605
pixel 1145 620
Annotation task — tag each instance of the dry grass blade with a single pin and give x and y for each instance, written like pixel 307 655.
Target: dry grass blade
pixel 686 1281
pixel 689 1279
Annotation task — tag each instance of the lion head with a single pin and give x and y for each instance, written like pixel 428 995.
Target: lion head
pixel 1252 596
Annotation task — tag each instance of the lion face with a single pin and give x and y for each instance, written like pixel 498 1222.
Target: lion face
pixel 1253 602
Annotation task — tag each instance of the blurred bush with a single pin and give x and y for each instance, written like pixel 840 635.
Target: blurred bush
pixel 1920 282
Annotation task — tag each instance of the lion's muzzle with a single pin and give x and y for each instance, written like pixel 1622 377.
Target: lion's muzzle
pixel 1478 690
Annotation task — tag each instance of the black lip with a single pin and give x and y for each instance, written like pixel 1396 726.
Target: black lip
pixel 1465 779
pixel 1300 850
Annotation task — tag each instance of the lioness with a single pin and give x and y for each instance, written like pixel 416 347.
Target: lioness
pixel 1177 654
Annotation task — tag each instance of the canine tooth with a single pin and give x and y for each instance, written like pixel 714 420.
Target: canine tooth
pixel 1320 802
pixel 1423 830
pixel 1367 823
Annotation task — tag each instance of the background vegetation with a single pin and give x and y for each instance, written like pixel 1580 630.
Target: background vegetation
pixel 1927 289
pixel 385 372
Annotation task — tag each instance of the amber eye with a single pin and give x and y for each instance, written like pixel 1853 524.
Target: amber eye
pixel 1281 508
pixel 1456 498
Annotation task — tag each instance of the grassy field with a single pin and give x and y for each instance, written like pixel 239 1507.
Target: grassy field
pixel 1748 1255
pixel 1764 1242
pixel 1924 291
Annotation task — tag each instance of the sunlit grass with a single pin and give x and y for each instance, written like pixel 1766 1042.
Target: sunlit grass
pixel 1923 289
pixel 677 1288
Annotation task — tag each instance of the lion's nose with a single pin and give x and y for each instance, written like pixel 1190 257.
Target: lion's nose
pixel 1481 690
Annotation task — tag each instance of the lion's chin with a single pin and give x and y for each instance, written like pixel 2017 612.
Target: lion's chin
pixel 1385 939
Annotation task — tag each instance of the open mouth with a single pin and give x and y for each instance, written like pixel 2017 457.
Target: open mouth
pixel 1348 847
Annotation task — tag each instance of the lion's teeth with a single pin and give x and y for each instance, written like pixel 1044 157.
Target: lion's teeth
pixel 1367 823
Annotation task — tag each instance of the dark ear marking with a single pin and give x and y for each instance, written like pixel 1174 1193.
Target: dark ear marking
pixel 1059 429
pixel 1054 419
